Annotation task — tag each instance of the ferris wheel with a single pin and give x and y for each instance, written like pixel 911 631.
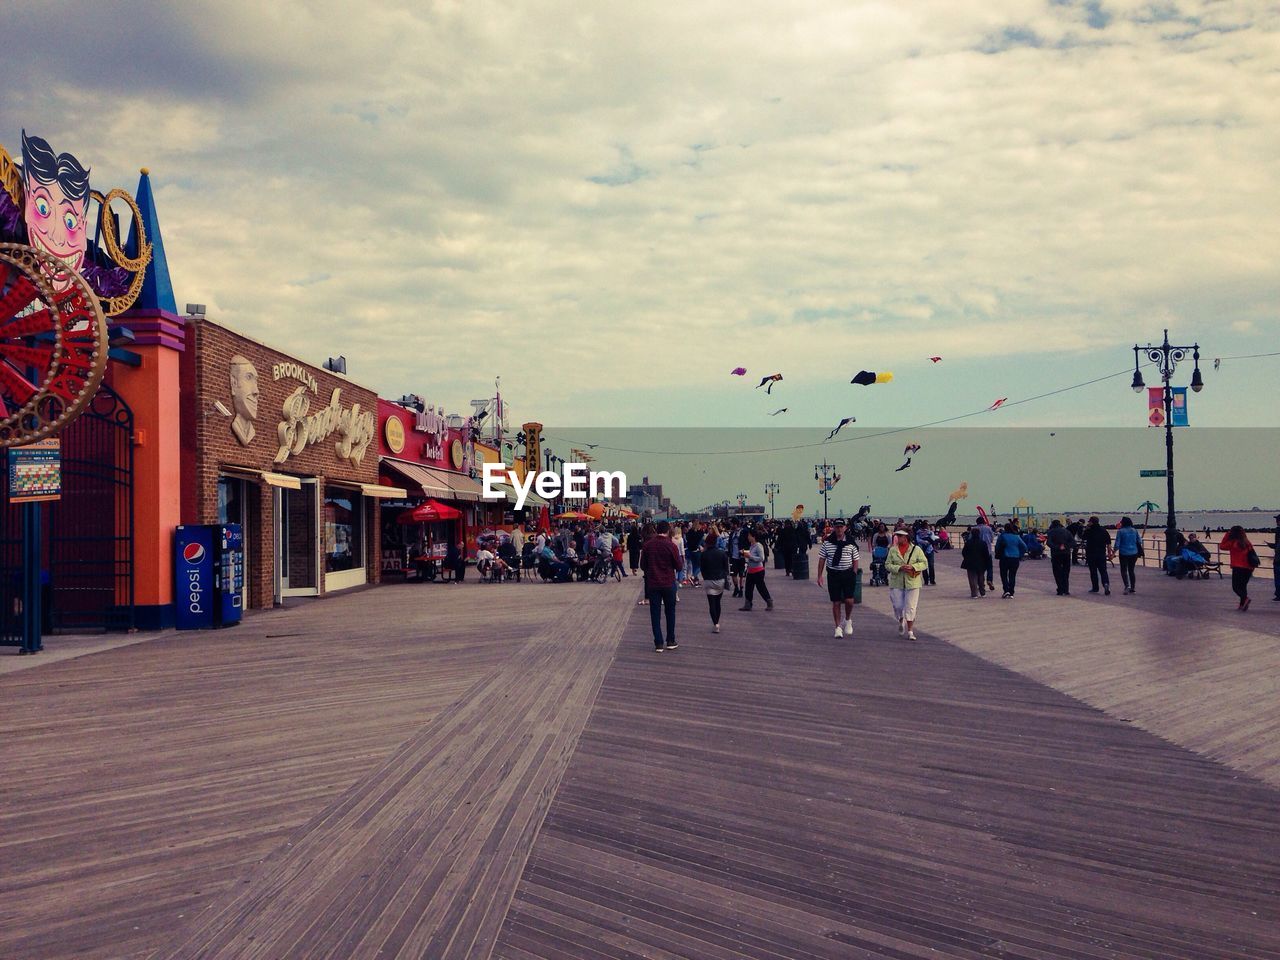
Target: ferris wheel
pixel 53 344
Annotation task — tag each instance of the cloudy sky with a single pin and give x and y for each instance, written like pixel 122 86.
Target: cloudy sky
pixel 612 205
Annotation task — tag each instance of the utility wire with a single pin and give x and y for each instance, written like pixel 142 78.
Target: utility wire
pixel 851 439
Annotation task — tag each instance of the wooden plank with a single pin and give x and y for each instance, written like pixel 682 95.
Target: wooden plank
pixel 773 792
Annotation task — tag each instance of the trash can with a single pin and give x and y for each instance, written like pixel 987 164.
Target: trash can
pixel 857 586
pixel 800 565
pixel 779 561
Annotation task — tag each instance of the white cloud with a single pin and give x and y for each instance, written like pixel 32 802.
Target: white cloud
pixel 576 197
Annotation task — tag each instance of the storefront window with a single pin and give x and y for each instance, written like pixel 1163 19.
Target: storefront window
pixel 343 529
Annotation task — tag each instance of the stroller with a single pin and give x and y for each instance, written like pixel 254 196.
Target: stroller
pixel 879 573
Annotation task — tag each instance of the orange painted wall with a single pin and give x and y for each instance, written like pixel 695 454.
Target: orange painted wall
pixel 151 390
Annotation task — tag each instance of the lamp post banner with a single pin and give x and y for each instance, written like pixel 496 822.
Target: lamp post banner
pixel 1178 417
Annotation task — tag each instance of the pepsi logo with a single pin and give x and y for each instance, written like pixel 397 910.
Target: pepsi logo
pixel 193 552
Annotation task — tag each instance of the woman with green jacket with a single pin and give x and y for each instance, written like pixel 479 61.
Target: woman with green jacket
pixel 906 564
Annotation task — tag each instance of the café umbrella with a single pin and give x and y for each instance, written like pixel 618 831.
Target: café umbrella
pixel 429 512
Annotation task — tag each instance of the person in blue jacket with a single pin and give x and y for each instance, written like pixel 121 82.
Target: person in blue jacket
pixel 1009 549
pixel 1128 546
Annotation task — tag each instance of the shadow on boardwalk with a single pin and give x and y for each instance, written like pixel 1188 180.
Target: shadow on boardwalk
pixel 511 771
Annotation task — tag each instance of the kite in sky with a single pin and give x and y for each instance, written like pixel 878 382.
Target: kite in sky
pixel 950 518
pixel 998 404
pixel 935 359
pixel 911 448
pixel 960 493
pixel 776 412
pixel 738 372
pixel 1053 434
pixel 841 425
pixel 866 378
pixel 1217 362
pixel 904 466
pixel 770 380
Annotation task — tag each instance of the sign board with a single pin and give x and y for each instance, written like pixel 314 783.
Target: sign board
pixel 1152 473
pixel 35 471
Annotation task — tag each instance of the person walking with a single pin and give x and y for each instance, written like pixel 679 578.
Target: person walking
pixel 737 562
pixel 662 565
pixel 1062 546
pixel 973 561
pixel 633 547
pixel 755 571
pixel 838 556
pixel 925 540
pixel 987 536
pixel 714 564
pixel 786 545
pixel 693 551
pixel 1128 548
pixel 1010 549
pixel 1097 551
pixel 1275 556
pixel 1244 560
pixel 906 564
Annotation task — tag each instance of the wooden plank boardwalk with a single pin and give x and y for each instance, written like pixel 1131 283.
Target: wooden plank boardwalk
pixel 511 771
pixel 1176 658
pixel 141 785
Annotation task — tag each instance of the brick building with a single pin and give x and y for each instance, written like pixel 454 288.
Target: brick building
pixel 289 451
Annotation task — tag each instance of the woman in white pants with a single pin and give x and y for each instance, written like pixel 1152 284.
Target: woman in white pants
pixel 906 564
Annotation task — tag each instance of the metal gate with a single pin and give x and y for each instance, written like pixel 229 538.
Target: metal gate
pixel 87 536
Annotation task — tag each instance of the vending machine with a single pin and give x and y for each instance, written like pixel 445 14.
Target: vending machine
pixel 208 575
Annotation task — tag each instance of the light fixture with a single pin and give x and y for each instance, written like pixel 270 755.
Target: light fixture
pixel 1138 384
pixel 1197 382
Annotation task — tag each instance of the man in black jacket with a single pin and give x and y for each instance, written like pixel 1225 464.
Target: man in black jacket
pixel 1061 546
pixel 1097 547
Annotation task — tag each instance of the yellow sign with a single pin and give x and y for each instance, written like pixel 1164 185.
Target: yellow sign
pixel 393 432
pixel 455 454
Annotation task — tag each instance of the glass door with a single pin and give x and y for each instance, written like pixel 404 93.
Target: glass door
pixel 296 543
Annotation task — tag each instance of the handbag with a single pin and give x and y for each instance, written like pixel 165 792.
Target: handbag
pixel 1253 559
pixel 1141 551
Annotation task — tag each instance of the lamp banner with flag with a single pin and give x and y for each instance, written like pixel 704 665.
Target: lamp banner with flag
pixel 1179 418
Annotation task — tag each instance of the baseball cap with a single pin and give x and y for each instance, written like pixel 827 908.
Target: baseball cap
pixel 901 533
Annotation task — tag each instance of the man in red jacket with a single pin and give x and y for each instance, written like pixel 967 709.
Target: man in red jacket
pixel 661 563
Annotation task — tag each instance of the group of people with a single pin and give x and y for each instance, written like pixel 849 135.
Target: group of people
pixel 701 555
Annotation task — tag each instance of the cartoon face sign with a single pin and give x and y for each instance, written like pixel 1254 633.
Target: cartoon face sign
pixel 56 189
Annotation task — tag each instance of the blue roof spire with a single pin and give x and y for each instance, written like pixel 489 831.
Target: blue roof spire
pixel 157 288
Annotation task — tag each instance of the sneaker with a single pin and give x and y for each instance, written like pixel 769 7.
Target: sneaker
pixel 1106 592
pixel 747 607
pixel 715 628
pixel 1094 590
pixel 673 646
pixel 848 628
pixel 839 634
pixel 902 627
pixel 1005 595
pixel 768 606
pixel 911 634
pixel 1247 601
pixel 658 649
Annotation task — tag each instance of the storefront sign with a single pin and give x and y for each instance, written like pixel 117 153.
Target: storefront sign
pixel 299 428
pixel 456 454
pixel 393 433
pixel 35 471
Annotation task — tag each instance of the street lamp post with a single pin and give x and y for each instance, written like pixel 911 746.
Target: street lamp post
pixel 823 472
pixel 1166 357
pixel 771 490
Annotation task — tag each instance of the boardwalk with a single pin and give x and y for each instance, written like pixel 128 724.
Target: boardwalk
pixel 512 772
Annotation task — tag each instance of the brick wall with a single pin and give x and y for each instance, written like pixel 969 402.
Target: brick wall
pixel 210 447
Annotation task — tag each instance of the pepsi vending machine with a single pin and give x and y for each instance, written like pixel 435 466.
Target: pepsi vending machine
pixel 208 575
